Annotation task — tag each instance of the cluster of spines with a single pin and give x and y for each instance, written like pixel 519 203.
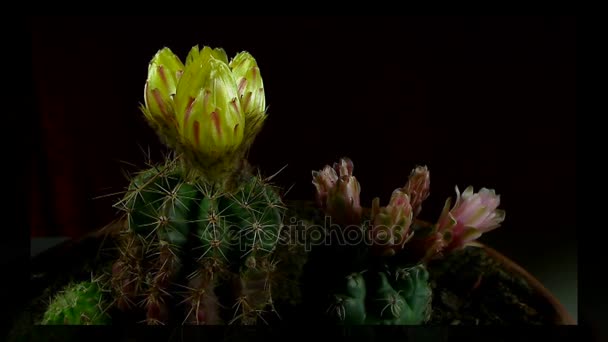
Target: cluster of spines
pixel 79 303
pixel 175 221
pixel 127 271
pixel 254 289
pixel 201 302
pixel 154 217
pixel 238 233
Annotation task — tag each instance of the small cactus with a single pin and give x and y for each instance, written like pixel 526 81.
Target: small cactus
pixel 401 297
pixel 394 288
pixel 78 303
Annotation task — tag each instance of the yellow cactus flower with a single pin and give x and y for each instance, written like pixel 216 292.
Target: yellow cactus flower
pixel 209 109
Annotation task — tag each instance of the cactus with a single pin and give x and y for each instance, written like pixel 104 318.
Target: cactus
pixel 202 233
pixel 202 224
pixel 79 303
pixel 200 242
pixel 387 298
pixel 381 277
pixel 184 232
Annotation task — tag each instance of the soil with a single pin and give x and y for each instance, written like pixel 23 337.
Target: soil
pixel 472 288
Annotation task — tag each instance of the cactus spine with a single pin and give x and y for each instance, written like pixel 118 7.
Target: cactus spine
pixel 79 303
pixel 184 232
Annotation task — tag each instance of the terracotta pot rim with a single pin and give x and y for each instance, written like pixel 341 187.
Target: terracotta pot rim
pixel 564 317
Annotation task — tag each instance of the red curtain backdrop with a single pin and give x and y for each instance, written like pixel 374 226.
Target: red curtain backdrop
pixel 87 96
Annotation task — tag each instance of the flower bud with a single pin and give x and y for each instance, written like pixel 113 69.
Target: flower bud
pixel 202 55
pixel 249 82
pixel 338 192
pixel 324 182
pixel 207 106
pixel 200 110
pixel 251 91
pixel 391 224
pixel 417 187
pixel 164 72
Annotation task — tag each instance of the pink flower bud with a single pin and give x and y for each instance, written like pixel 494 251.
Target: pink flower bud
pixel 338 192
pixel 417 187
pixel 324 181
pixel 391 224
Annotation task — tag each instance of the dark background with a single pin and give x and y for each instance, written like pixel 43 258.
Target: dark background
pixel 483 101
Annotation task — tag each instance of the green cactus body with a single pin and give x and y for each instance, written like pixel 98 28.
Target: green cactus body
pixel 160 202
pixel 349 306
pixel 197 237
pixel 80 303
pixel 212 231
pixel 397 298
pixel 157 204
pixel 255 217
